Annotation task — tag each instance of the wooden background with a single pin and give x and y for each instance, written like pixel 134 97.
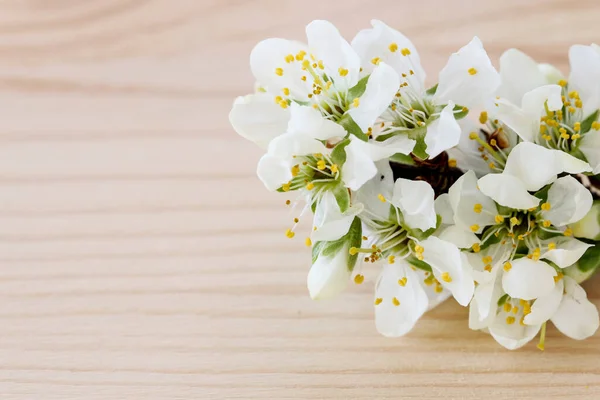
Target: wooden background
pixel 140 257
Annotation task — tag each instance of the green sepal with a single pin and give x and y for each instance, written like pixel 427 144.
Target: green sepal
pixel 493 239
pixel 502 300
pixel 402 159
pixel 590 260
pixel 422 265
pixel 419 235
pixel 418 134
pixel 351 239
pixel 338 154
pixel 586 124
pixel 358 89
pixel 342 197
pixel 462 113
pixel 431 91
pixel 352 128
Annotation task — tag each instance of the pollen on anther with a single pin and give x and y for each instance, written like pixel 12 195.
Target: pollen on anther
pixel 279 71
pixel 510 320
pixel 375 60
pixel 308 242
pixel 290 233
pixel 353 251
pixel 472 71
pixel 474 228
pixel 310 186
pixel 396 302
pixel 546 206
pixel 483 117
pixel 476 247
pixel 356 102
pixel 342 71
pixel 452 163
pixel 405 51
pixel 446 277
pixel 507 266
pixel 378 301
pixel 477 208
pixel 381 198
pixel 358 279
pixel 402 281
pixel 391 259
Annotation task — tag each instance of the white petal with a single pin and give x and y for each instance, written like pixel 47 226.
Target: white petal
pixel 589 226
pixel 446 260
pixel 396 320
pixel 483 307
pixel 569 200
pixel 534 100
pixel 444 209
pixel 590 147
pixel 585 76
pixel 517 120
pixel 309 122
pixel 330 222
pixel 528 279
pixel 359 167
pixel 576 316
pixel 512 336
pixel 466 153
pixel 537 166
pixel 457 84
pixel 443 133
pixel 269 55
pixel 551 73
pixel 273 171
pixel 464 195
pixel 544 307
pixel 396 144
pixel 382 183
pixel 375 42
pixel 458 236
pixel 519 74
pixel 326 43
pixel 329 276
pixel 379 93
pixel 568 251
pixel 415 200
pixel 508 191
pixel 257 118
pixel 288 145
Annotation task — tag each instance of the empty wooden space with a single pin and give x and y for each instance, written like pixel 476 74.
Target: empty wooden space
pixel 140 257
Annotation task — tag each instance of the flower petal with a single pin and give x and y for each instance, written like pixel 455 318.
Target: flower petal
pixel 569 200
pixel 465 197
pixel 585 76
pixel 398 307
pixel 382 183
pixel 590 147
pixel 309 122
pixel 576 316
pixel 257 118
pixel 458 236
pixel 273 171
pixel 379 42
pixel 379 93
pixel 528 279
pixel 328 45
pixel 537 166
pixel 484 304
pixel 269 55
pixel 289 145
pixel 415 201
pixel 450 267
pixel 466 153
pixel 330 222
pixel 568 250
pixel 512 336
pixel 545 306
pixel 444 209
pixel 469 77
pixel 508 191
pixel 519 74
pixel 443 133
pixel 329 276
pixel 359 167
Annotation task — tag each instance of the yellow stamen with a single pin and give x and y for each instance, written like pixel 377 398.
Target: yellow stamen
pixel 446 277
pixel 358 279
pixel 546 206
pixel 342 71
pixel 310 186
pixel 353 251
pixel 510 320
pixel 474 228
pixel 405 51
pixel 499 219
pixel 290 233
pixel 356 102
pixel 308 242
pixel 396 302
pixel 402 281
pixel 472 71
pixel 393 47
pixel 279 71
pixel 378 301
pixel 375 60
pixel 476 247
pixel 381 198
pixel 452 163
pixel 483 117
pixel 507 266
pixel 477 208
pixel 391 259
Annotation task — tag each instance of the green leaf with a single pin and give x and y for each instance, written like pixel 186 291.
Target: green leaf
pixel 402 159
pixel 586 124
pixel 342 197
pixel 590 259
pixel 358 89
pixel 350 126
pixel 431 91
pixel 338 154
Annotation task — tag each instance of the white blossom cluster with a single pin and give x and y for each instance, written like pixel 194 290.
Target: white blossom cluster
pixel 496 211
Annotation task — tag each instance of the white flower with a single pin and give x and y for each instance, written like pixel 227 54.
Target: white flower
pixel 333 237
pixel 560 116
pixel 426 116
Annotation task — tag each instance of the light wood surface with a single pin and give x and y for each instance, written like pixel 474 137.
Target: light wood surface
pixel 140 257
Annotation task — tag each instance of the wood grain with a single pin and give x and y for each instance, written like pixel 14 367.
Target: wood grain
pixel 140 257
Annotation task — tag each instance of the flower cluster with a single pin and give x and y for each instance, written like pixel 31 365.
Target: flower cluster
pixel 496 211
